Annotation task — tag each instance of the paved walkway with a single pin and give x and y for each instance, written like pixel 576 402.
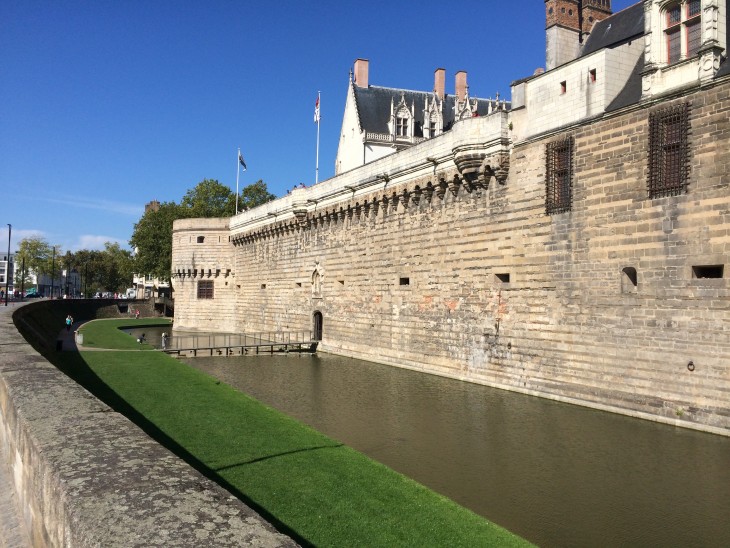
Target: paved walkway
pixel 13 531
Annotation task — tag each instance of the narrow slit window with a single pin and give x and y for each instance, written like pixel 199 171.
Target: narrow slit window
pixel 502 278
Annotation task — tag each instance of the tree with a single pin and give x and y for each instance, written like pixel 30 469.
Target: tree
pixel 109 270
pixel 152 239
pixel 254 195
pixel 152 235
pixel 119 269
pixel 209 198
pixel 37 254
pixel 90 264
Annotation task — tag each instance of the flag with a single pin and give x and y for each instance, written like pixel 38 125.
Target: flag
pixel 316 111
pixel 240 161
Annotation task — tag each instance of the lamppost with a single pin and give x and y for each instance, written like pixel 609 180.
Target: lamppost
pixel 53 272
pixel 7 267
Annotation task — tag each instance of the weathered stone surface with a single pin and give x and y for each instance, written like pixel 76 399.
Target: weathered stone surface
pixel 480 284
pixel 85 476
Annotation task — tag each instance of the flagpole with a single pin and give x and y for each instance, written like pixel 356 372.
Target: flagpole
pixel 316 170
pixel 238 172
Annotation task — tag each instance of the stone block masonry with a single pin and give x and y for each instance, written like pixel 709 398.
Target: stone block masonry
pixel 619 303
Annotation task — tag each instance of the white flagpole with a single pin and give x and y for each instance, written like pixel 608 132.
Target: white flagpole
pixel 238 172
pixel 316 170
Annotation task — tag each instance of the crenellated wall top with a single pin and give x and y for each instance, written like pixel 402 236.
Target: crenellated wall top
pixel 202 224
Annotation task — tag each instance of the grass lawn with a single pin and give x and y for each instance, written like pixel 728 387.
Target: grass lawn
pixel 311 487
pixel 108 334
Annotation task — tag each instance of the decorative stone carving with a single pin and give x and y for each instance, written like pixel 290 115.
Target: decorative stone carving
pixel 317 279
pixel 454 184
pixel 441 189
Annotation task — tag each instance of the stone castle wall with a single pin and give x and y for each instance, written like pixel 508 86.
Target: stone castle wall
pixel 471 279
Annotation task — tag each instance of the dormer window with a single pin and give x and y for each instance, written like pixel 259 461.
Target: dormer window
pixel 401 127
pixel 683 32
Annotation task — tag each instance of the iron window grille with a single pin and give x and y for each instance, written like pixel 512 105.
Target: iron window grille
pixel 205 289
pixel 559 176
pixel 669 151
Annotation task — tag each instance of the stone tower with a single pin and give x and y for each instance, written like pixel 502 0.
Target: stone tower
pixel 567 22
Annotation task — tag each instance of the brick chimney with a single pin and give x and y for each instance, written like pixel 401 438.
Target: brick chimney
pixel 567 24
pixel 461 85
pixel 361 73
pixel 439 82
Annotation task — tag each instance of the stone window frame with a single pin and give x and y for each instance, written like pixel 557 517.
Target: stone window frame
pixel 401 126
pixel 669 151
pixel 682 29
pixel 559 175
pixel 205 289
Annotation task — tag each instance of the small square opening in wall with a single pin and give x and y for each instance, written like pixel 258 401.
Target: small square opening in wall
pixel 592 75
pixel 404 281
pixel 263 286
pixel 201 239
pixel 502 278
pixel 708 271
pixel 563 86
pixel 342 282
pixel 299 284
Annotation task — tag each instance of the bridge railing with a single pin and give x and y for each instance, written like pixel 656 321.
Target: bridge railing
pixel 230 340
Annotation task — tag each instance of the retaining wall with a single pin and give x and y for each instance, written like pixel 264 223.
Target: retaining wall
pixel 86 476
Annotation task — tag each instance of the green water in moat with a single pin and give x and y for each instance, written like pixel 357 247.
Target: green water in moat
pixel 556 474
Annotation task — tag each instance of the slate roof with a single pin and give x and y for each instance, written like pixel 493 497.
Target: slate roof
pixel 625 25
pixel 373 106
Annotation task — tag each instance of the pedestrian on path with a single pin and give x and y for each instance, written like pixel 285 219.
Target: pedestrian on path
pixel 164 341
pixel 136 315
pixel 69 323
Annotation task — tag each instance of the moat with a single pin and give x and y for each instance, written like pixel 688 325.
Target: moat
pixel 556 474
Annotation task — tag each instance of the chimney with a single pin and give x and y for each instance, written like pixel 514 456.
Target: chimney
pixel 567 24
pixel 361 73
pixel 461 85
pixel 439 82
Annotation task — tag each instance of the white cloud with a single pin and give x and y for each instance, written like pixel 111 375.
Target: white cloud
pixel 93 242
pixel 16 235
pixel 121 208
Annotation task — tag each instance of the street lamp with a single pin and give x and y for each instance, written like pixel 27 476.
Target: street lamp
pixel 53 272
pixel 7 267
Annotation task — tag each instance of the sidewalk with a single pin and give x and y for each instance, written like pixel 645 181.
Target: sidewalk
pixel 13 531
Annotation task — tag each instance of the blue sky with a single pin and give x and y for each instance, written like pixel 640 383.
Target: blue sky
pixel 106 105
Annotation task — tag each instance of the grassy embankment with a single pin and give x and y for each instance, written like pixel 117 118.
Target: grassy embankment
pixel 311 487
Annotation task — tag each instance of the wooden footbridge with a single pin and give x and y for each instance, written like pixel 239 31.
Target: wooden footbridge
pixel 229 344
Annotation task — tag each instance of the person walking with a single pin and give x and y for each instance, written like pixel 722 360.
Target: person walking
pixel 136 315
pixel 69 322
pixel 164 341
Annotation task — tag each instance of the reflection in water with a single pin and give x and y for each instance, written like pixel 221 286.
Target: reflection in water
pixel 556 474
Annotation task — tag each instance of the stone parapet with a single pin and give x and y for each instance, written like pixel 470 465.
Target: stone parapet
pixel 86 476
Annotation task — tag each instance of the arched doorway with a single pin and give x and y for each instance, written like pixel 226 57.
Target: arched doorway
pixel 317 321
